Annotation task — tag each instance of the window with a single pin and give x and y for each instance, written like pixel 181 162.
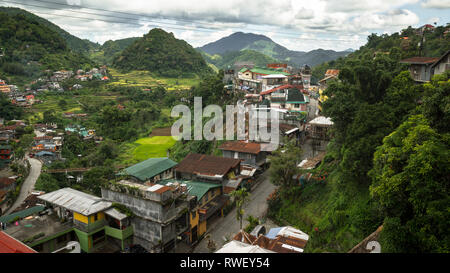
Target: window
pixel 96 217
pixel 297 105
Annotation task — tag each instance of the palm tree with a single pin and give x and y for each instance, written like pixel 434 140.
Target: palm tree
pixel 241 197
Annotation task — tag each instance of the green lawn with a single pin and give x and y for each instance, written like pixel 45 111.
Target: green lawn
pixel 145 148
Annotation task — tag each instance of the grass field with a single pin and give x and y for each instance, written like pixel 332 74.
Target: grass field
pixel 145 148
pixel 147 79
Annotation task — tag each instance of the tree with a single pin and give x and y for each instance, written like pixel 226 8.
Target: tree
pixel 410 183
pixel 241 197
pixel 283 165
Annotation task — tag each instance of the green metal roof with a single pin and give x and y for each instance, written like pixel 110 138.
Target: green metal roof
pixel 149 168
pixel 295 96
pixel 5 147
pixel 196 188
pixel 21 214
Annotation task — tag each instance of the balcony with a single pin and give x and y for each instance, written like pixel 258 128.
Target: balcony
pixel 120 234
pixel 88 228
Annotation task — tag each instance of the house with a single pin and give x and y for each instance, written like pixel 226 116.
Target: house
pixel 252 78
pixel 151 170
pixel 330 75
pixel 420 67
pixel 239 247
pixel 90 220
pixel 160 213
pixel 289 98
pixel 441 65
pixel 30 99
pixel 319 127
pixel 249 152
pixel 208 203
pixel 4 88
pixel 6 154
pixel 279 240
pixel 209 168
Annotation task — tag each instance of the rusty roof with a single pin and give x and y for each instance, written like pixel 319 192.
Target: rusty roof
pixel 207 164
pixel 242 147
pixel 5 182
pixel 419 60
pixel 333 72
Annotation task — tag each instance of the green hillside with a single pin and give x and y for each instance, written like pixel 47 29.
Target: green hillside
pixel 30 47
pixel 228 59
pixel 111 49
pixel 162 54
pixel 73 42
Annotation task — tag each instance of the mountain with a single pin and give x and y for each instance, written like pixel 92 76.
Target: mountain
pixel 29 47
pixel 229 58
pixel 161 53
pixel 110 49
pixel 243 41
pixel 73 42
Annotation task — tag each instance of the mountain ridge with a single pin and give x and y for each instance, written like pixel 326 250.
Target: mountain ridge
pixel 242 41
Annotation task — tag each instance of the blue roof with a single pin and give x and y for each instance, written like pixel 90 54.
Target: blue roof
pixel 273 232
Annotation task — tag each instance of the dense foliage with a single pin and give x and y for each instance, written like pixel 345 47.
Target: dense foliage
pixel 9 111
pixel 387 163
pixel 161 53
pixel 228 59
pixel 76 44
pixel 29 47
pixel 111 49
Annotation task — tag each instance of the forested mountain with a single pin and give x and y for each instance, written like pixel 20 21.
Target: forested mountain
pixel 229 58
pixel 387 163
pixel 242 41
pixel 73 42
pixel 111 49
pixel 397 46
pixel 28 47
pixel 161 53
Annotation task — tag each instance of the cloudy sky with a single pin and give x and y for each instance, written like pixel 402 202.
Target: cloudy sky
pixel 296 24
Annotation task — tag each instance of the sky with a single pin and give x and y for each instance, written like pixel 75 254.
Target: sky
pixel 296 24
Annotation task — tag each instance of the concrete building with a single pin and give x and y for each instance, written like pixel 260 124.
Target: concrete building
pixel 160 212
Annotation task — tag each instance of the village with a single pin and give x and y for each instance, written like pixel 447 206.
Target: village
pixel 159 205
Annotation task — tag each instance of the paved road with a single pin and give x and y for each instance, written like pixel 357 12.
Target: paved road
pixel 28 184
pixel 229 226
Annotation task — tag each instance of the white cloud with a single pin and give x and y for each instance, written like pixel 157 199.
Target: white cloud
pixel 295 24
pixel 436 4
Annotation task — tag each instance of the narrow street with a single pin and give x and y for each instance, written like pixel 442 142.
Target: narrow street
pixel 28 184
pixel 228 226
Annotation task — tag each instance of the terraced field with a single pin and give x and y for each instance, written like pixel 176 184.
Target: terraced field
pixel 147 79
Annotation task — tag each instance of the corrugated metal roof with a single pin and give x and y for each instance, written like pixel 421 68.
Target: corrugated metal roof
pixel 76 201
pixel 241 146
pixel 207 165
pixel 239 247
pixel 195 188
pixel 114 213
pixel 150 168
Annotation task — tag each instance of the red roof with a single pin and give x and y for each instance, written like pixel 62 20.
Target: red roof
pixel 286 86
pixel 10 245
pixel 419 60
pixel 241 146
pixel 206 164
